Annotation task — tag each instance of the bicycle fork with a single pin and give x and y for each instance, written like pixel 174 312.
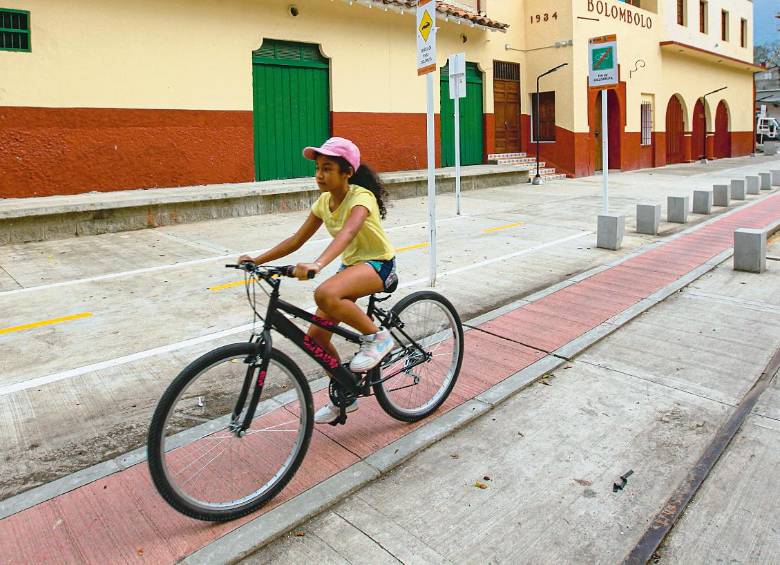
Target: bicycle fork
pixel 255 375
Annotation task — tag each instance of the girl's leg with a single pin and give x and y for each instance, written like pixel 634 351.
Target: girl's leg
pixel 336 296
pixel 323 337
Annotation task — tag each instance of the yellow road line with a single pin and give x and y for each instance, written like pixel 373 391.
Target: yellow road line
pixel 227 285
pixel 410 247
pixel 45 323
pixel 504 227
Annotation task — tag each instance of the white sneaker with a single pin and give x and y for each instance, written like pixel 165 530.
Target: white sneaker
pixel 373 349
pixel 329 413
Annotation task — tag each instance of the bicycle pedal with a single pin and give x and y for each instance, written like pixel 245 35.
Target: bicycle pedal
pixel 341 420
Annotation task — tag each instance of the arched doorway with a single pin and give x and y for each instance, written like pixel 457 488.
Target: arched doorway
pixel 722 133
pixel 675 131
pixel 699 131
pixel 614 130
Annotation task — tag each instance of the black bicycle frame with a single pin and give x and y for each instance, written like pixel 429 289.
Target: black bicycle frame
pixel 275 320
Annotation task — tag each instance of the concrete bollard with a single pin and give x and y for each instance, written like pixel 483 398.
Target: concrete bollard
pixel 766 181
pixel 721 195
pixel 753 184
pixel 611 228
pixel 750 250
pixel 702 202
pixel 677 209
pixel 648 218
pixel 775 177
pixel 738 189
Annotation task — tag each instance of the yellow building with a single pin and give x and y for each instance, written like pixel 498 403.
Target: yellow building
pixel 111 95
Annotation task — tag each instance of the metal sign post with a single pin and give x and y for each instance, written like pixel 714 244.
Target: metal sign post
pixel 426 65
pixel 457 69
pixel 602 75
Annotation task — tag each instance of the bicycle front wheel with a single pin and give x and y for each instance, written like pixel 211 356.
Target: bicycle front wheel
pixel 419 374
pixel 198 464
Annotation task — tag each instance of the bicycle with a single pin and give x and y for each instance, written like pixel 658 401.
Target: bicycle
pixel 243 414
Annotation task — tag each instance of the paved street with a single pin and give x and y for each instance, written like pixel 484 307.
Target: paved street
pixel 74 392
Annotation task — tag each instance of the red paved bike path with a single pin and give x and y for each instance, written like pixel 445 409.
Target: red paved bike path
pixel 122 518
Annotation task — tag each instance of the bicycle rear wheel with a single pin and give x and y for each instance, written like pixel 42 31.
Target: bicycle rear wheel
pixel 198 464
pixel 418 376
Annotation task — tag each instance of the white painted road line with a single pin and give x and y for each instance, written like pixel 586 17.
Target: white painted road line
pixel 78 371
pixel 228 257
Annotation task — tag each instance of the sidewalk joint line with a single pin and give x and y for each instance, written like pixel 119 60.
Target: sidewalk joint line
pixel 12 277
pixel 511 340
pixel 367 535
pixel 647 380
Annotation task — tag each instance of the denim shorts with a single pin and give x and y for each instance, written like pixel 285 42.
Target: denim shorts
pixel 385 269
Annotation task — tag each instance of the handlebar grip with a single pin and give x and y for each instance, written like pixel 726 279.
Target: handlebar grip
pixel 289 271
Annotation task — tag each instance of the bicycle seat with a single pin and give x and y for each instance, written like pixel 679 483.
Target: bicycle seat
pixel 392 287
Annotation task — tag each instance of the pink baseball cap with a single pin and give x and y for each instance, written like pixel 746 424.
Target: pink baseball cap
pixel 336 147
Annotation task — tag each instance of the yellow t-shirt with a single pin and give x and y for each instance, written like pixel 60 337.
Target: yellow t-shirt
pixel 370 243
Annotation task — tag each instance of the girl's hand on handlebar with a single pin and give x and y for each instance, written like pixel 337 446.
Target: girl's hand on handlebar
pixel 245 259
pixel 302 270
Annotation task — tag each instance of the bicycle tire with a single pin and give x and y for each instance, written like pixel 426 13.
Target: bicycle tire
pixel 159 456
pixel 388 391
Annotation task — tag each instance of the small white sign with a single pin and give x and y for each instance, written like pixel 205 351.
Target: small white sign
pixel 602 62
pixel 457 68
pixel 426 37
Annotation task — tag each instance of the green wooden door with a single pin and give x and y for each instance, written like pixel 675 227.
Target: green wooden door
pixel 291 107
pixel 471 116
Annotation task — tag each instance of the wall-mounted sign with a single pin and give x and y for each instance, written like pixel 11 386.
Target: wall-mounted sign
pixel 602 62
pixel 426 37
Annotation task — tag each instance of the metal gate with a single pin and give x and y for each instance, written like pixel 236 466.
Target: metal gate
pixel 675 130
pixel 291 107
pixel 471 116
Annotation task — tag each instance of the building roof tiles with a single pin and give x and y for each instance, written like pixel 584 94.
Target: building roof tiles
pixel 452 11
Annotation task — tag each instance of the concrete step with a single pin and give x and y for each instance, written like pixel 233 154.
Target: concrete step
pixel 518 161
pixel 553 176
pixel 497 156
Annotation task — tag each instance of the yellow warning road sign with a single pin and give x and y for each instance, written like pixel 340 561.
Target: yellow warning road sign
pixel 426 25
pixel 426 37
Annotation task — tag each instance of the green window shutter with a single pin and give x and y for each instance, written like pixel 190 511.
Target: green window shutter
pixel 286 53
pixel 14 30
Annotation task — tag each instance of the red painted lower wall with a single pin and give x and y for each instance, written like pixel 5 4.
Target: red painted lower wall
pixel 387 142
pixel 742 143
pixel 46 151
pixel 569 153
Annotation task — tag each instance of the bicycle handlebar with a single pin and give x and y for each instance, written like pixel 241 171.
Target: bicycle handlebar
pixel 268 270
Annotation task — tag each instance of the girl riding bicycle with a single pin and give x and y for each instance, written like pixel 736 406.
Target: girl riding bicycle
pixel 351 206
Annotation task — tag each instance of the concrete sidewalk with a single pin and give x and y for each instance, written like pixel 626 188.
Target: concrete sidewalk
pixel 507 350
